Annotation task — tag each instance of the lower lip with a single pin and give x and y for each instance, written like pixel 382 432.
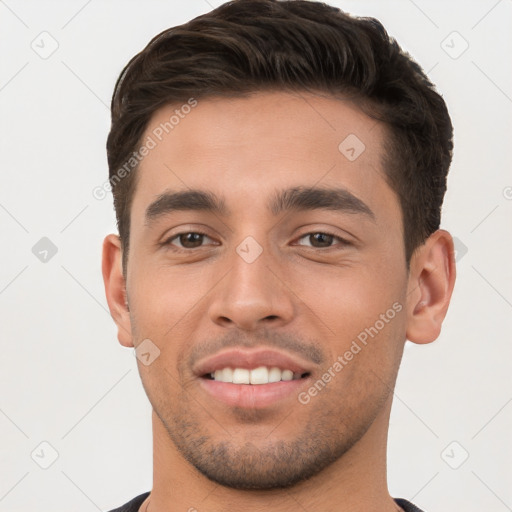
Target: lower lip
pixel 252 396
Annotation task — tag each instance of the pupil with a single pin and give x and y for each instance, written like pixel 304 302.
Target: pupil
pixel 191 239
pixel 323 238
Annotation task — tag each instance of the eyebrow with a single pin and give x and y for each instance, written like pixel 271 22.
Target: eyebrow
pixel 315 198
pixel 291 199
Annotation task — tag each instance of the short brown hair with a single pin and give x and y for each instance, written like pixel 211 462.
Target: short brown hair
pixel 246 46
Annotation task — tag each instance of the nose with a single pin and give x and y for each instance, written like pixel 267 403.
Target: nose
pixel 251 296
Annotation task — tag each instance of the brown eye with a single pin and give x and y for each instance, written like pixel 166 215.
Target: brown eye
pixel 321 240
pixel 191 240
pixel 188 240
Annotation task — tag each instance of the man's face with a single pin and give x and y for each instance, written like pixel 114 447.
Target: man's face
pixel 312 284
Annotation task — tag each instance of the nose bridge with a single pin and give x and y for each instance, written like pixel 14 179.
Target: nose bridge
pixel 251 293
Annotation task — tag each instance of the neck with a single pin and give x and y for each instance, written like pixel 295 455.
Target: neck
pixel 354 483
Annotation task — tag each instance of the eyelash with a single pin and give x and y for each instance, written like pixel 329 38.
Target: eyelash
pixel 182 249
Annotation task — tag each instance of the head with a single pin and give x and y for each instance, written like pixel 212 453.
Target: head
pixel 264 117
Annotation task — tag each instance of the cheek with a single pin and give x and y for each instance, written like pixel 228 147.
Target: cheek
pixel 346 300
pixel 166 307
pixel 361 370
pixel 361 311
pixel 162 297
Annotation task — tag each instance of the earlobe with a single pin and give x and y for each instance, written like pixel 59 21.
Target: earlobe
pixel 115 288
pixel 431 282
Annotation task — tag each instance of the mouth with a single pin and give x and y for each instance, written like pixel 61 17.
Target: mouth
pixel 252 379
pixel 256 377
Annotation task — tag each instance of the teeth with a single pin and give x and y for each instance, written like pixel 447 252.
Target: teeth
pixel 225 375
pixel 241 376
pixel 274 375
pixel 260 375
pixel 287 375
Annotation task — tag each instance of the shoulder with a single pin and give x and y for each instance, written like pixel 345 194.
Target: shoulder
pixel 407 506
pixel 133 505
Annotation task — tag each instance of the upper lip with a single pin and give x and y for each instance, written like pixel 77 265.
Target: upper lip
pixel 239 358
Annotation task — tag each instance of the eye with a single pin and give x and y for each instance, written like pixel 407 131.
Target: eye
pixel 187 240
pixel 322 240
pixel 195 239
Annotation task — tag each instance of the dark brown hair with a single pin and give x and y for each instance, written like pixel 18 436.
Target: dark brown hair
pixel 246 46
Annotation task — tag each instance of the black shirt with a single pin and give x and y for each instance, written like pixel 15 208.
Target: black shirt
pixel 133 506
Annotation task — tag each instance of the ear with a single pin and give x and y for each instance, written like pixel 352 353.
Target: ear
pixel 115 288
pixel 431 282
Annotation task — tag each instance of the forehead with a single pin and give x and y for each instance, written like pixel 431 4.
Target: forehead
pixel 252 146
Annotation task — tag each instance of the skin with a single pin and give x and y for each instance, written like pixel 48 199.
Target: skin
pixel 328 454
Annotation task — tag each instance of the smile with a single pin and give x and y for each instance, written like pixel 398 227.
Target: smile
pixel 256 376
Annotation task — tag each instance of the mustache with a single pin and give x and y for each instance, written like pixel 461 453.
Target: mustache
pixel 310 350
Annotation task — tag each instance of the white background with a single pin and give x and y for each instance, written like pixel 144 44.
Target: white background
pixel 64 378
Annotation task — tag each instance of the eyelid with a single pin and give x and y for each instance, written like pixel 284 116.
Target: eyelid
pixel 167 240
pixel 184 228
pixel 341 239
